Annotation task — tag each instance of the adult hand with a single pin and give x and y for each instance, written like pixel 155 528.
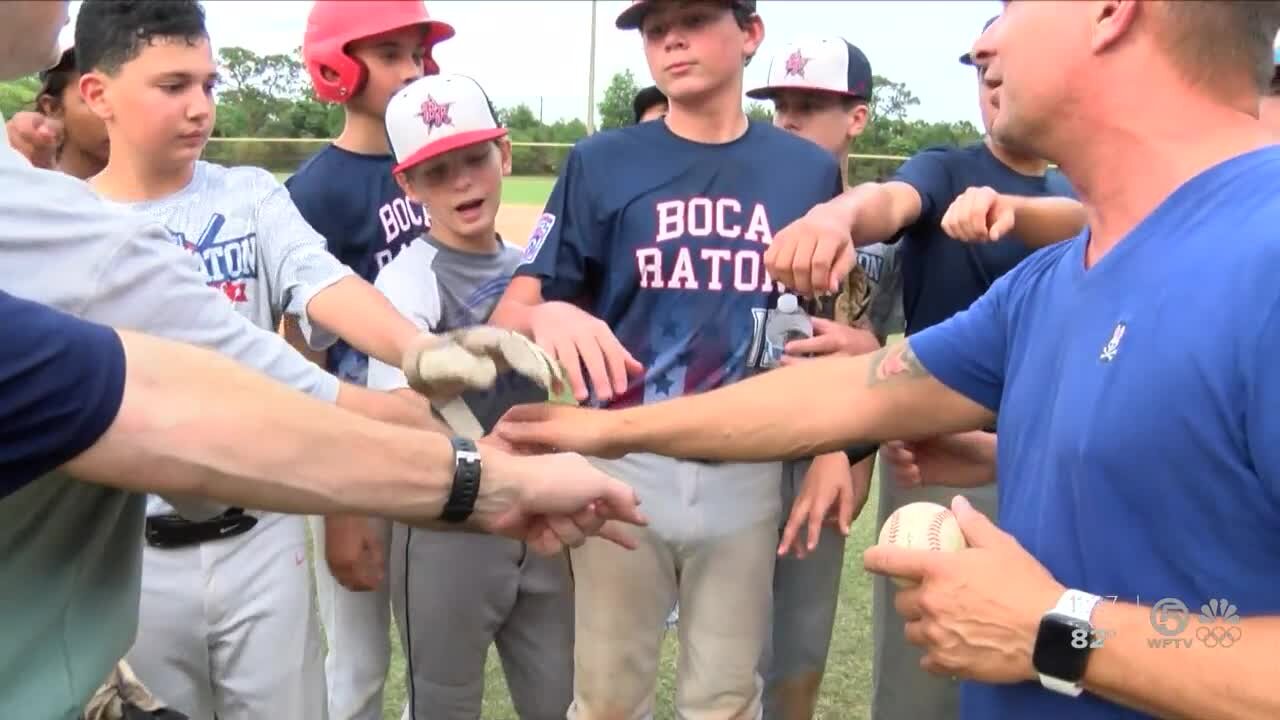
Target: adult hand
pixel 549 427
pixel 976 611
pixel 812 254
pixel 961 460
pixel 827 497
pixel 578 340
pixel 980 214
pixel 553 501
pixel 36 137
pixel 354 549
pixel 830 338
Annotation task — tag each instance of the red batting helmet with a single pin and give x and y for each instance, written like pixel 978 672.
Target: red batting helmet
pixel 333 24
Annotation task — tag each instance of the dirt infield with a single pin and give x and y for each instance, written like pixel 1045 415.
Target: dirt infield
pixel 515 222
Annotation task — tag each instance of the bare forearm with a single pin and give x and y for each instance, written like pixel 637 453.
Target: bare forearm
pixel 235 437
pixel 877 211
pixel 408 410
pixel 514 315
pixel 820 406
pixel 355 311
pixel 292 333
pixel 1134 668
pixel 1039 222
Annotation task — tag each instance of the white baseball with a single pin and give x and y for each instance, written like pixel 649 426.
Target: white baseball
pixel 922 526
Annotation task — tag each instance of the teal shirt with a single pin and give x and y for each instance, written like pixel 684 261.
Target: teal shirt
pixel 70 604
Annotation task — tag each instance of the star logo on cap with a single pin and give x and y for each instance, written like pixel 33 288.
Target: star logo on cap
pixel 435 114
pixel 795 64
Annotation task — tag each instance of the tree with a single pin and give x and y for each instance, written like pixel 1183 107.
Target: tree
pixel 16 95
pixel 615 108
pixel 759 111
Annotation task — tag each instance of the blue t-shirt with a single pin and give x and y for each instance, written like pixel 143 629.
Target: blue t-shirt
pixel 61 384
pixel 941 275
pixel 1138 412
pixel 354 202
pixel 670 252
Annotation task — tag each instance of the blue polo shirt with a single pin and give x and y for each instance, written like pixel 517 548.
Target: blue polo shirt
pixel 1139 410
pixel 61 383
pixel 941 275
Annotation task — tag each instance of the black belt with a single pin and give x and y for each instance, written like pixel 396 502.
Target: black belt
pixel 175 531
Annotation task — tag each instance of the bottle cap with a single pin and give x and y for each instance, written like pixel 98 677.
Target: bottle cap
pixel 787 303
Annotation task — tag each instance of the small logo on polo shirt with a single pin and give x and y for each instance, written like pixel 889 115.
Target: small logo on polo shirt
pixel 1113 345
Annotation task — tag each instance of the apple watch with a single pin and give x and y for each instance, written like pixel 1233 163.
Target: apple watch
pixel 466 482
pixel 1064 641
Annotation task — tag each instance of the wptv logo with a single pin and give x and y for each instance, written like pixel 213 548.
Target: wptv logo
pixel 1217 624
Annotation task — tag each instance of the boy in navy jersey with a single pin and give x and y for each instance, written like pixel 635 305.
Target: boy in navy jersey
pixel 653 281
pixel 359 54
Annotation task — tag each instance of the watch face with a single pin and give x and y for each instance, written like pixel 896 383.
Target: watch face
pixel 1062 647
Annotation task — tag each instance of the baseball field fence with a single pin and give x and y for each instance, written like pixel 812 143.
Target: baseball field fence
pixel 283 156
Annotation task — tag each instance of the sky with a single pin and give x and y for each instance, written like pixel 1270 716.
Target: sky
pixel 916 42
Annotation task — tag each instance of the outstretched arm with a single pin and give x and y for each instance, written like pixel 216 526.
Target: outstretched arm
pixel 824 405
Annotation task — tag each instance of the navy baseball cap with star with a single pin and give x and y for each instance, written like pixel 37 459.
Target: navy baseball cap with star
pixel 967 58
pixel 823 64
pixel 633 17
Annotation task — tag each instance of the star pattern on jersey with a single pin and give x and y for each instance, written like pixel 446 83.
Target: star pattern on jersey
pixel 435 114
pixel 796 64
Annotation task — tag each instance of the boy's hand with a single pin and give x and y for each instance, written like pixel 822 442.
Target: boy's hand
pixel 980 215
pixel 827 496
pixel 830 338
pixel 35 137
pixel 355 553
pixel 961 460
pixel 577 340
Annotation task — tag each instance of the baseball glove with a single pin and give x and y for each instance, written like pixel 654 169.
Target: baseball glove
pixel 441 367
pixel 123 697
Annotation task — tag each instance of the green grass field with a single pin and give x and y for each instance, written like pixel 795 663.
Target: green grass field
pixel 846 690
pixel 526 189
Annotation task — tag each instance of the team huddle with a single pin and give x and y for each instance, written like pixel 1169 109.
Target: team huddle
pixel 650 279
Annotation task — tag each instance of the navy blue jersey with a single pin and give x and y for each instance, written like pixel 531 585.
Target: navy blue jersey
pixel 61 384
pixel 664 239
pixel 354 202
pixel 941 275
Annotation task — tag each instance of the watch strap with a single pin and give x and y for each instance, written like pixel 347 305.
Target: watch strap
pixel 466 481
pixel 1079 605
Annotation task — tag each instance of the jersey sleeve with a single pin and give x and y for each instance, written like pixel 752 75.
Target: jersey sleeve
pixel 928 173
pixel 150 285
pixel 298 262
pixel 61 385
pixel 566 238
pixel 417 297
pixel 969 351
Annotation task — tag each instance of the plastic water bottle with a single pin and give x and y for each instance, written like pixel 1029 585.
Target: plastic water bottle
pixel 786 323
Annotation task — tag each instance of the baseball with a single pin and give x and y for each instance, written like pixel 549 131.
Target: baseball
pixel 922 526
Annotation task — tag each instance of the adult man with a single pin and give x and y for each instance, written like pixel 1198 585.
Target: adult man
pixel 1113 408
pixel 117 428
pixel 61 243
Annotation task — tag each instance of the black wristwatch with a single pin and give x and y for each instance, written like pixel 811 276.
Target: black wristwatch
pixel 1065 639
pixel 466 482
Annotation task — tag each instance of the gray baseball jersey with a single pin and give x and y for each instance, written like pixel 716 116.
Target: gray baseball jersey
pixel 254 247
pixel 479 590
pixel 74 547
pixel 883 268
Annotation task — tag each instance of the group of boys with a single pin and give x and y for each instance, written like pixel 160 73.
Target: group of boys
pixel 652 282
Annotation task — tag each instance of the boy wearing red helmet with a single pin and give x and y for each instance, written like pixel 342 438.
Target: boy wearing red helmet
pixel 359 54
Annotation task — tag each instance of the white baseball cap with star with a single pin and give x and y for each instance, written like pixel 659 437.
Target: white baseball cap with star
pixel 436 114
pixel 826 64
